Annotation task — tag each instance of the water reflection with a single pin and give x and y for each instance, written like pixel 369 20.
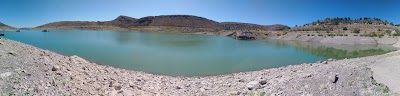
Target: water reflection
pixel 185 54
pixel 337 51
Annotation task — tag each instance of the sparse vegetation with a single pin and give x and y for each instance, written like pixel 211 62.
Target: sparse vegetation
pixel 356 30
pixel 388 32
pixel 373 34
pixel 345 28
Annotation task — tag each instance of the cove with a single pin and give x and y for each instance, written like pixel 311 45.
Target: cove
pixel 178 54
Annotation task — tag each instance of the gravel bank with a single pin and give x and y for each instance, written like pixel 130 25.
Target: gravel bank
pixel 27 70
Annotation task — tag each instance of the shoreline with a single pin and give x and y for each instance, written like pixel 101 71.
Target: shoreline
pixel 32 71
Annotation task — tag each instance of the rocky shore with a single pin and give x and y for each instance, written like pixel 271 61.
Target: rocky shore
pixel 27 70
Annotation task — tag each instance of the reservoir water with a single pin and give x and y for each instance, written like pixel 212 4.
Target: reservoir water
pixel 186 54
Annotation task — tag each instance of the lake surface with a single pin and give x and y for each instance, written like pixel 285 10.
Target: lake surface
pixel 186 54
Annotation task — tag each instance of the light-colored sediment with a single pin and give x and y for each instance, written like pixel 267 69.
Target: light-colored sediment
pixel 350 39
pixel 387 71
pixel 27 70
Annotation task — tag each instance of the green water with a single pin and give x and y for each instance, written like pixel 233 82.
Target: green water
pixel 184 54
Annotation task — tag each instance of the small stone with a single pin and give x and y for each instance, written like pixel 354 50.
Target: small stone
pixel 113 93
pixel 330 59
pixel 55 68
pixel 263 82
pixel 118 87
pixel 241 80
pixel 127 92
pixel 6 74
pixel 308 75
pixel 253 85
pixel 334 78
pixel 202 89
pixel 177 87
pixel 12 53
pixel 325 62
pixel 111 84
pixel 234 93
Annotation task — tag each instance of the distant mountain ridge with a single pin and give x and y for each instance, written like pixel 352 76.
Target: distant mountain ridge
pixel 6 27
pixel 184 23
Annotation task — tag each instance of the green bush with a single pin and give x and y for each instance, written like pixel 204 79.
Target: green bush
pixel 388 32
pixel 345 28
pixel 373 34
pixel 357 30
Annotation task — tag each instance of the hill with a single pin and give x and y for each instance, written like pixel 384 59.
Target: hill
pixel 181 23
pixel 348 25
pixel 6 27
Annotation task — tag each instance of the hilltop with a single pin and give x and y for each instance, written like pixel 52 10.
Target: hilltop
pixel 348 25
pixel 6 27
pixel 180 23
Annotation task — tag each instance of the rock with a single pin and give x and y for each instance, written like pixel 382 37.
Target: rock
pixel 113 93
pixel 12 53
pixel 325 62
pixel 127 92
pixel 55 68
pixel 177 87
pixel 5 75
pixel 334 78
pixel 234 93
pixel 241 80
pixel 111 84
pixel 331 59
pixel 118 87
pixel 308 75
pixel 263 82
pixel 253 85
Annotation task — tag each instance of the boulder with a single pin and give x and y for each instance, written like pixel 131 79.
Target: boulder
pixel 55 68
pixel 263 82
pixel 5 75
pixel 334 78
pixel 253 85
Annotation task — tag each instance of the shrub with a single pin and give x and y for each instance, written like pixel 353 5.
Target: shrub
pixel 357 30
pixel 388 32
pixel 372 34
pixel 345 28
pixel 380 35
pixel 379 29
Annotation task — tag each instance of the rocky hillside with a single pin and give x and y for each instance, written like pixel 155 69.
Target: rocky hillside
pixel 182 23
pixel 6 27
pixel 361 25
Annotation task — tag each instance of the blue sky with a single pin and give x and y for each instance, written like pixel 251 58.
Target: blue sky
pixel 32 13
